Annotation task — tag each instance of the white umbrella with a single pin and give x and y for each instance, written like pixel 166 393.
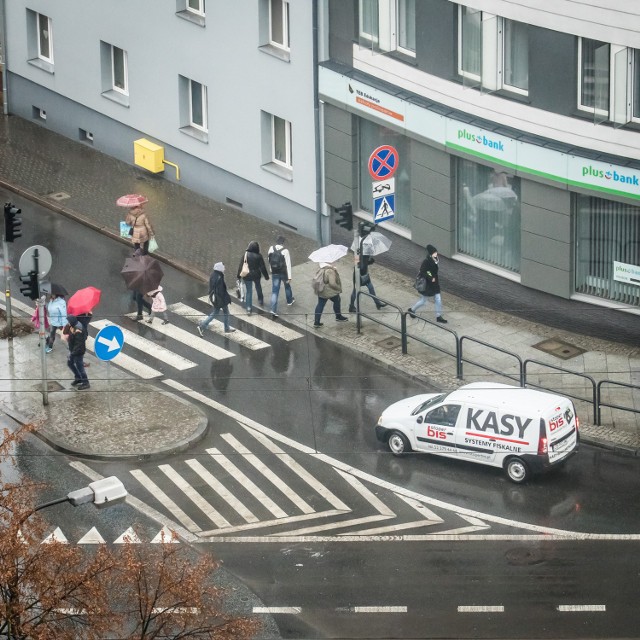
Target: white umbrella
pixel 374 244
pixel 330 253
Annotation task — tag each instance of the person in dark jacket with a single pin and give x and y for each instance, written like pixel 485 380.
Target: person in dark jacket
pixel 77 348
pixel 220 299
pixel 257 269
pixel 362 264
pixel 429 270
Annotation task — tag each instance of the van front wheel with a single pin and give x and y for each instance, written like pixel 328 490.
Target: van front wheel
pixel 398 443
pixel 517 470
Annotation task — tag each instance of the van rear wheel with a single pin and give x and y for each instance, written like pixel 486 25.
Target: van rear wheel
pixel 398 443
pixel 517 470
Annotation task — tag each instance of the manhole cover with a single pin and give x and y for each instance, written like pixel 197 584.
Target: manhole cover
pixel 52 385
pixel 559 348
pixel 61 195
pixel 389 343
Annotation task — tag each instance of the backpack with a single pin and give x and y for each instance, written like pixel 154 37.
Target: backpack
pixel 277 262
pixel 317 284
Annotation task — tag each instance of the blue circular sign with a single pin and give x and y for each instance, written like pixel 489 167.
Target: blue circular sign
pixel 383 162
pixel 109 342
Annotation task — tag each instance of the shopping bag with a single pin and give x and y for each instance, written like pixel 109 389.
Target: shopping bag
pixel 241 289
pixel 125 229
pixel 153 245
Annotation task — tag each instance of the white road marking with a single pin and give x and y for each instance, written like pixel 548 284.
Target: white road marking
pixel 372 499
pixel 422 509
pixel 481 609
pixel 148 346
pixel 222 491
pixel 292 610
pixel 16 304
pixel 478 525
pixel 164 499
pixel 332 525
pixel 247 483
pixel 130 364
pixel 379 609
pixel 165 535
pixel 265 323
pixel 56 536
pixel 92 537
pixel 268 473
pixel 582 607
pixel 194 496
pixel 128 537
pixel 217 327
pixel 191 340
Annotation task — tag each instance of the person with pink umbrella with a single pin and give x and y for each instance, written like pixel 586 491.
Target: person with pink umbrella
pixel 141 230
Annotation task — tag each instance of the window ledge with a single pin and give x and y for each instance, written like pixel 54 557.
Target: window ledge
pixel 189 16
pixel 41 64
pixel 279 170
pixel 276 52
pixel 116 96
pixel 198 134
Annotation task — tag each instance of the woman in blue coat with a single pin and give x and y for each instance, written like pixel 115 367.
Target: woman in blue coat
pixel 57 311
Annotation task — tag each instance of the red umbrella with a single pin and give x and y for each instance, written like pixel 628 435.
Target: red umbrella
pixel 83 301
pixel 131 200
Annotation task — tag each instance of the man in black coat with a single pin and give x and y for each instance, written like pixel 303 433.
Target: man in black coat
pixel 77 348
pixel 220 299
pixel 429 271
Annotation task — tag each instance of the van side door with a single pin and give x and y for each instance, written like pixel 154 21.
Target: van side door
pixel 435 431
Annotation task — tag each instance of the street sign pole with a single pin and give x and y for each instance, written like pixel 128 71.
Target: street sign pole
pixel 107 346
pixel 7 285
pixel 40 302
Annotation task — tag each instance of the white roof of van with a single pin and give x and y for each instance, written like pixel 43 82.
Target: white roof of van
pixel 507 397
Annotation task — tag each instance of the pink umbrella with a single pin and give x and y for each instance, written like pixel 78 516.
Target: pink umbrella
pixel 131 200
pixel 83 301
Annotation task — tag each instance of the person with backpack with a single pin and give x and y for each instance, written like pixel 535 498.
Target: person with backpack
pixel 251 273
pixel 219 298
pixel 327 286
pixel 280 263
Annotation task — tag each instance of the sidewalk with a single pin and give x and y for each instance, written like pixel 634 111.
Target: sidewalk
pixel 84 184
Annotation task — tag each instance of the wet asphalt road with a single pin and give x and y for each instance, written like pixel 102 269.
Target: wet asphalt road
pixel 329 399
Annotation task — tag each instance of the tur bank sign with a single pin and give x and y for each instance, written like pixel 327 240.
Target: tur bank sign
pixel 522 157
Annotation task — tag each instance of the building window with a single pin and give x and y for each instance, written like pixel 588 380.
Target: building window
pixel 281 151
pixel 606 232
pixel 488 204
pixel 369 26
pixel 515 56
pixel 279 24
pixel 593 76
pixel 635 95
pixel 196 6
pixel 406 26
pixel 119 72
pixel 197 105
pixel 45 39
pixel 469 43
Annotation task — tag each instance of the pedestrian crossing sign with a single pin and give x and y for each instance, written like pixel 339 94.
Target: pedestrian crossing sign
pixel 384 208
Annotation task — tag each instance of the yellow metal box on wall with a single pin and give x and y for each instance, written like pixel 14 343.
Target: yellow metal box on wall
pixel 148 155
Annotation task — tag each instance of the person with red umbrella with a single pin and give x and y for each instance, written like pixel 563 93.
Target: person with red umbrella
pixel 141 229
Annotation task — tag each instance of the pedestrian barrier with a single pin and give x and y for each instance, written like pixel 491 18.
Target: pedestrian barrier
pixel 596 388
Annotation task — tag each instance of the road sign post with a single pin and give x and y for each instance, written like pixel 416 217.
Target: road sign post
pixel 108 345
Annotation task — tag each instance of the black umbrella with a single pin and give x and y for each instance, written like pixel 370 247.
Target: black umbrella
pixel 58 290
pixel 142 273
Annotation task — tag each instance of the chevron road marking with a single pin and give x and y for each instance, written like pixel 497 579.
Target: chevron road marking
pixel 194 496
pixel 148 346
pixel 216 326
pixel 268 474
pixel 130 364
pixel 265 323
pixel 332 525
pixel 371 498
pixel 189 339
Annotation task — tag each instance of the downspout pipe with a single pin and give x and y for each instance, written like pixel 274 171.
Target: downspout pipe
pixel 316 124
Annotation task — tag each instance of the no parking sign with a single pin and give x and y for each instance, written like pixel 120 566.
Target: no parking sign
pixel 383 162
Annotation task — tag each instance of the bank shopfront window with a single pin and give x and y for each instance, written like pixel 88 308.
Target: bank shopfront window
pixel 370 137
pixel 607 232
pixel 488 216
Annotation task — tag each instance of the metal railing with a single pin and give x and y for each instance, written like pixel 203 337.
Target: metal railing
pixel 521 376
pixel 601 404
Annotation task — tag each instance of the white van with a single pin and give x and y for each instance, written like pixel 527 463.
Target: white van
pixel 524 431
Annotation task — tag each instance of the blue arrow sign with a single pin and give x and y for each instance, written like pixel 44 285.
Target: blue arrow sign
pixel 109 342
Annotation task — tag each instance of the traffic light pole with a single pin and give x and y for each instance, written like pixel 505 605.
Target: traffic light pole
pixel 40 302
pixel 7 286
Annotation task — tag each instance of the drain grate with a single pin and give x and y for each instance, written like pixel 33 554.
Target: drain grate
pixel 52 385
pixel 60 195
pixel 389 343
pixel 559 348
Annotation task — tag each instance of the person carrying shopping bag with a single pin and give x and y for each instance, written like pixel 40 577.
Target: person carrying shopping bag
pixel 251 269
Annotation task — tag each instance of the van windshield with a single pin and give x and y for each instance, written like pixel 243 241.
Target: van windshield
pixel 428 403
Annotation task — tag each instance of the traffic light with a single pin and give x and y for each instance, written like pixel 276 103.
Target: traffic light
pixel 11 222
pixel 345 213
pixel 365 228
pixel 31 287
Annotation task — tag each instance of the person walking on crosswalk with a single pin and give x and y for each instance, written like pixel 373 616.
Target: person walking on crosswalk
pixel 220 299
pixel 280 263
pixel 251 274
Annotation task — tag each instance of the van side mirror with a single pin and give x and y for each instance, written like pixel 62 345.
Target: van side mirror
pixel 419 420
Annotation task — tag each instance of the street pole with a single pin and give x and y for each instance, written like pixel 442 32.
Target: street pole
pixel 40 302
pixel 7 285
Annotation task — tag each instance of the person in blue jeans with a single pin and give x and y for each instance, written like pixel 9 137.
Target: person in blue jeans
pixel 280 263
pixel 220 299
pixel 77 348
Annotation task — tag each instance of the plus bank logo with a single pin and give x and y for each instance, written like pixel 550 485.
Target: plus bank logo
pixel 612 175
pixel 480 139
